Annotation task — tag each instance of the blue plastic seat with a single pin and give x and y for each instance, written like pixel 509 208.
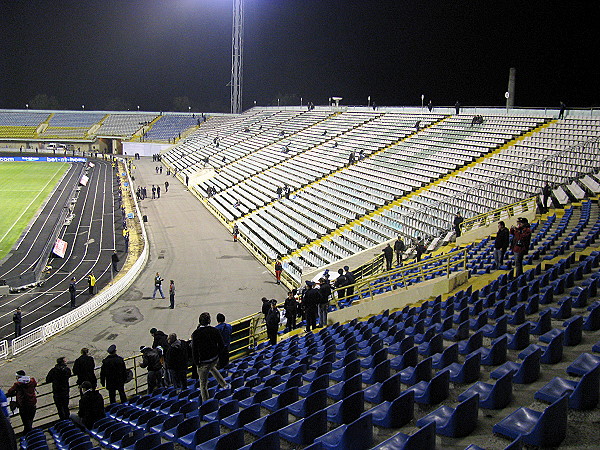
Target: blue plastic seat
pixel 309 405
pixel 551 354
pixel 572 334
pixel 433 346
pixel 378 373
pixel 148 441
pixel 399 348
pixel 233 439
pixel 592 321
pixel 543 429
pixel 267 442
pixel 347 410
pixel 344 388
pixel 479 321
pixel 241 418
pixel 583 394
pixel 525 372
pixel 321 382
pixel 292 381
pixel 457 334
pixel 474 342
pixel 544 323
pixel 495 355
pixel 586 362
pixel 491 396
pixel 408 359
pixel 454 422
pixel 447 357
pixel 305 431
pixel 262 394
pixel 345 360
pixel 466 372
pixel 285 398
pixel 268 424
pixel 420 372
pixel 434 391
pixel 223 411
pixel 373 360
pixel 495 330
pixel 423 439
pixel 518 317
pixel 357 435
pixel 563 311
pixel 350 369
pixel 394 413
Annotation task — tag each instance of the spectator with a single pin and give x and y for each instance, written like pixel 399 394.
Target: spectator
pixel 521 237
pixel 310 300
pixel 420 249
pixel 546 192
pixel 207 345
pixel 151 362
pixel 17 319
pixel 278 270
pixel 59 377
pixel 235 231
pixel 4 404
pixel 272 321
pixel 225 330
pixel 266 306
pixel 158 286
pixel 291 311
pixel 340 284
pixel 399 248
pixel 430 106
pixel 91 406
pixel 24 390
pixel 176 359
pixel 388 254
pixel 325 292
pixel 458 219
pixel 350 280
pixel 84 370
pixel 160 339
pixel 500 244
pixel 563 108
pixel 113 375
pixel 457 107
pixel 7 434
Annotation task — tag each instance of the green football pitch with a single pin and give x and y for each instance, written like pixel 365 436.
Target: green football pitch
pixel 24 186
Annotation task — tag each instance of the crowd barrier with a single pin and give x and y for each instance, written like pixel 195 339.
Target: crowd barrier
pixel 42 333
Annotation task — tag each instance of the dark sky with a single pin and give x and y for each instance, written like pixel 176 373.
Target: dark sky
pixel 147 52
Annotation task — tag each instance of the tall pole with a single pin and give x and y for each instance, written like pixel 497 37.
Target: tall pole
pixel 237 47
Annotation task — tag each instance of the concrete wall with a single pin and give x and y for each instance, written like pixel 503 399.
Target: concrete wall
pixel 399 298
pixel 143 148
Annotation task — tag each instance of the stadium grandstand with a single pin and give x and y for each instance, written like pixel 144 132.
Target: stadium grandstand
pixel 440 347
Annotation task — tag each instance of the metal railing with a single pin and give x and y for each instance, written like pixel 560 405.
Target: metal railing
pixel 493 216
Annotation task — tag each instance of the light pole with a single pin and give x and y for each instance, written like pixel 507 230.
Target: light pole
pixel 237 47
pixel 369 101
pixel 83 107
pixel 27 106
pixel 422 101
pixel 138 108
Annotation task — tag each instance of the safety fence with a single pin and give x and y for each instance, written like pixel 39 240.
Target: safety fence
pixel 43 332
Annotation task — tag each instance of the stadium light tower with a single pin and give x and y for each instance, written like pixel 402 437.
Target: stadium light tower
pixel 237 46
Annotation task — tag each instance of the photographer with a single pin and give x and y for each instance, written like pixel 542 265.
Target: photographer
pixel 521 238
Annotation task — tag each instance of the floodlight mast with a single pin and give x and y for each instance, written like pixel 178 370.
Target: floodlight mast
pixel 237 47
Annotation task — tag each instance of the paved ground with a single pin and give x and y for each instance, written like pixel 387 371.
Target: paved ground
pixel 188 245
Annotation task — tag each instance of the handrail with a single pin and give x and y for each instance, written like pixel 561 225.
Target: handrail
pixel 487 218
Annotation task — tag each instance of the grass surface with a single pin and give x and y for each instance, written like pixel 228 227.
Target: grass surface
pixel 24 186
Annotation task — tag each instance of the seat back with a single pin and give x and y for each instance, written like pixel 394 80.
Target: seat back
pixel 360 430
pixel 585 395
pixel 554 350
pixel 520 339
pixel 314 426
pixel 314 402
pixel 473 343
pixel 463 420
pixel 423 439
pixel 148 441
pixel 530 368
pixel 551 428
pixel 352 407
pixel 471 369
pixel 422 371
pixel 592 322
pixel 497 354
pixel 573 331
pixel 449 355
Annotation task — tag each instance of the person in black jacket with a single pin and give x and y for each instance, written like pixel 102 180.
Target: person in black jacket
pixel 113 374
pixel 272 321
pixel 91 406
pixel 399 248
pixel 73 291
pixel 59 377
pixel 160 339
pixel 151 361
pixel 291 311
pixel 350 280
pixel 501 244
pixel 176 358
pixel 207 344
pixel 325 291
pixel 420 249
pixel 340 284
pixel 388 254
pixel 458 220
pixel 17 319
pixel 310 300
pixel 84 369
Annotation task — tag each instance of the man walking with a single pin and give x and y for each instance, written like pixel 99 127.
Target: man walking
pixel 458 220
pixel 388 254
pixel 207 344
pixel 24 390
pixel 115 259
pixel 310 300
pixel 73 291
pixel 59 377
pixel 520 243
pixel 399 248
pixel 17 319
pixel 91 283
pixel 113 375
pixel 158 286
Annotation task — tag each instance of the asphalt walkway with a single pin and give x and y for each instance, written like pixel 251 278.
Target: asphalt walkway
pixel 187 244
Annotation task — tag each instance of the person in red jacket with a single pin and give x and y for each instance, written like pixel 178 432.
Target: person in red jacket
pixel 24 389
pixel 521 238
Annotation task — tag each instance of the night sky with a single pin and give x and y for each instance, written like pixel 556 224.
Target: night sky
pixel 147 52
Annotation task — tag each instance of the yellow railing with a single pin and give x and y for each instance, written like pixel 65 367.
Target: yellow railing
pixel 505 212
